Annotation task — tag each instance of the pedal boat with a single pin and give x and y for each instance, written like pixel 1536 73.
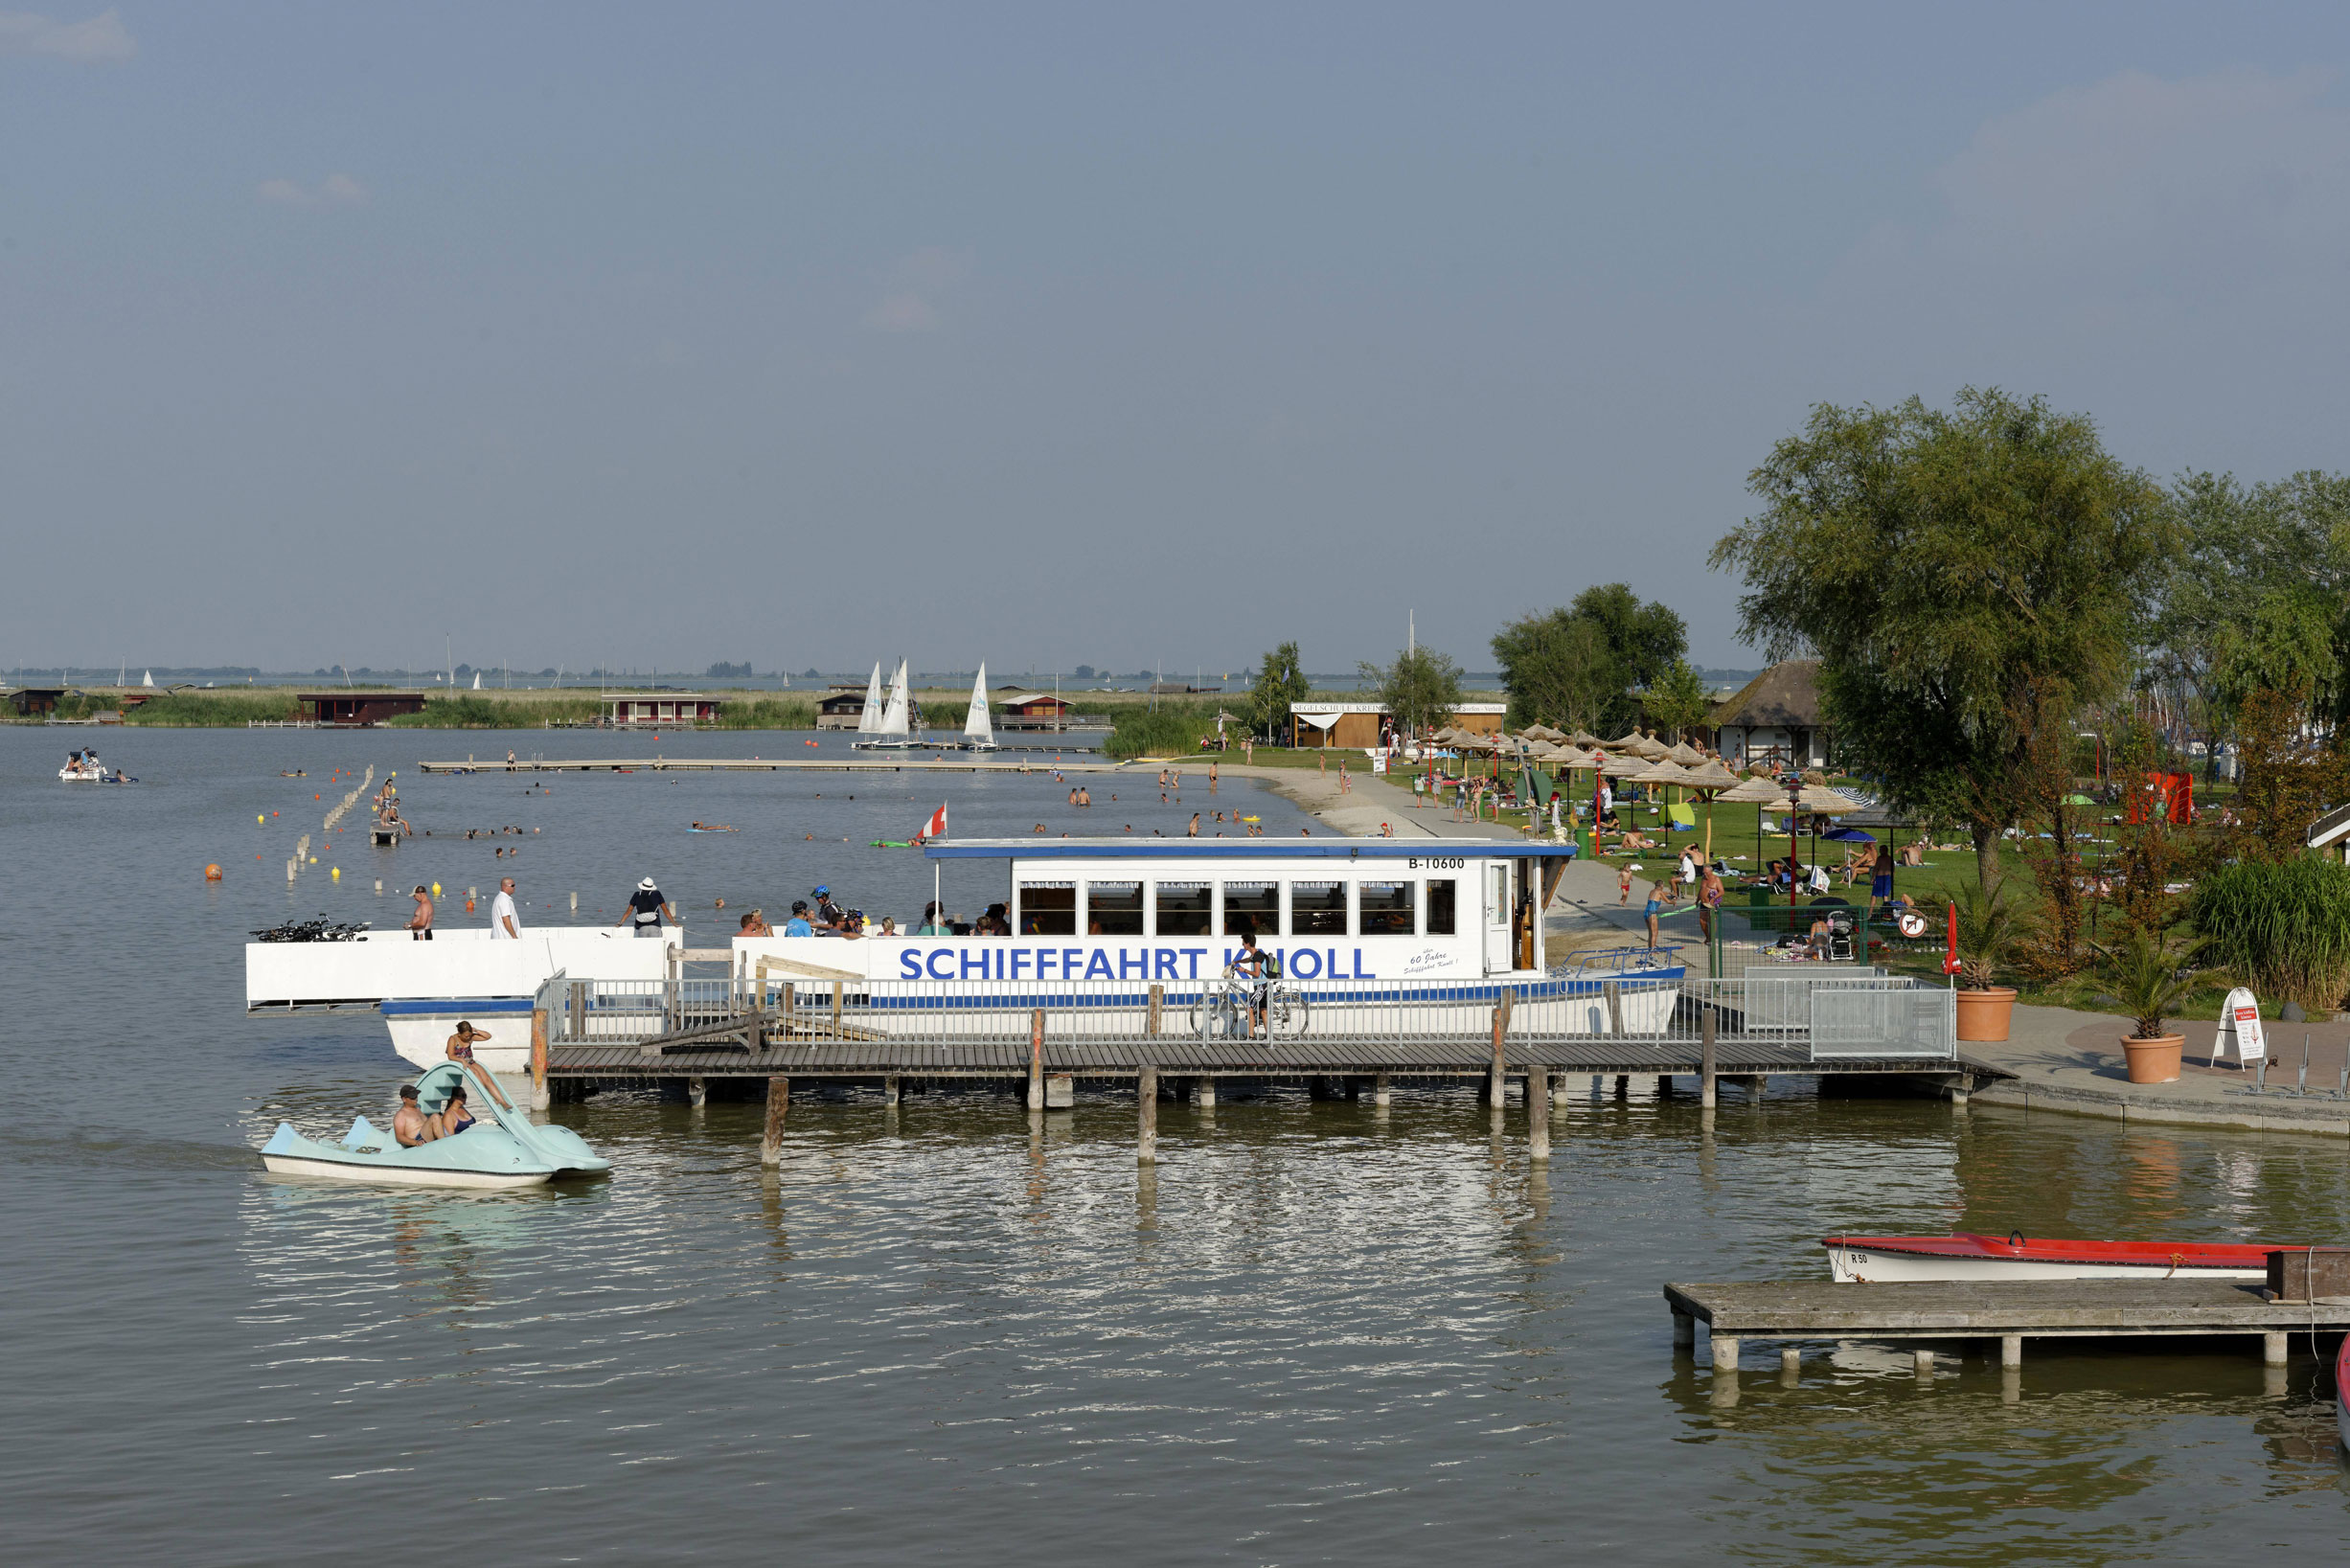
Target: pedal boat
pixel 510 1151
pixel 1876 1259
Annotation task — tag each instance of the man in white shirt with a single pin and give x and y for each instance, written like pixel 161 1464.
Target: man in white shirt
pixel 503 924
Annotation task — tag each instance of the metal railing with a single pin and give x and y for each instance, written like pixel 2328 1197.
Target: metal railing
pixel 1843 1016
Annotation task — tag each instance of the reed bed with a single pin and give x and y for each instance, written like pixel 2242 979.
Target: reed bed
pixel 2283 929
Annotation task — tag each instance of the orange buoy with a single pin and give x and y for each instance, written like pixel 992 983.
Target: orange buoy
pixel 469 906
pixel 211 872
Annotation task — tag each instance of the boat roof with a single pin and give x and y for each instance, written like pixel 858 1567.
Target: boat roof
pixel 1243 848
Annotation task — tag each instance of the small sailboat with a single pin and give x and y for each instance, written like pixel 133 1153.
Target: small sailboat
pixel 502 1149
pixel 869 716
pixel 978 729
pixel 893 732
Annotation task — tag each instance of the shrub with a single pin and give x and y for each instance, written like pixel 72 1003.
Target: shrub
pixel 1174 730
pixel 2282 927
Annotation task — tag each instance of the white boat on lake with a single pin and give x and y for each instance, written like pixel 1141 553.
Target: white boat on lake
pixel 978 727
pixel 894 730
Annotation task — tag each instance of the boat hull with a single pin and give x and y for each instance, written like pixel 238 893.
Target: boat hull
pixel 386 1175
pixel 1892 1259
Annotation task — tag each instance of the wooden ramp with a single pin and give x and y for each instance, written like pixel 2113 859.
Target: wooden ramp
pixel 2007 1310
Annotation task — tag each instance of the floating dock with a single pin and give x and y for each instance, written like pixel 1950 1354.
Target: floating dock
pixel 2008 1311
pixel 906 763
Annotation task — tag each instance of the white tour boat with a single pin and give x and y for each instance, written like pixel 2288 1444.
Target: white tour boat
pixel 1353 923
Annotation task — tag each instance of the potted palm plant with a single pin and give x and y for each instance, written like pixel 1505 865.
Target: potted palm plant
pixel 2151 976
pixel 1988 935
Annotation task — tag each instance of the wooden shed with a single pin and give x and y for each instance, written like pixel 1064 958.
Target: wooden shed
pixel 1775 717
pixel 629 709
pixel 358 709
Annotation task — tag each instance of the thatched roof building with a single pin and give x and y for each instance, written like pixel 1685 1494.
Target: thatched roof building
pixel 1774 717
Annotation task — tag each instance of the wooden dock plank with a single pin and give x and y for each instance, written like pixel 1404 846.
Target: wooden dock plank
pixel 1959 1309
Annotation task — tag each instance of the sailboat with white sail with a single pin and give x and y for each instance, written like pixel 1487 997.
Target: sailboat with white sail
pixel 890 733
pixel 869 716
pixel 978 729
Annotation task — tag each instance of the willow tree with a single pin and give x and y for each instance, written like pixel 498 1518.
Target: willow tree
pixel 1952 570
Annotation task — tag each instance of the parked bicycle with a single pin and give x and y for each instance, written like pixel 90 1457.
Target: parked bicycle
pixel 320 929
pixel 1239 1006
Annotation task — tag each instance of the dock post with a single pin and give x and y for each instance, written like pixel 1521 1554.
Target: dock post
pixel 1203 1092
pixel 1684 1332
pixel 1538 1114
pixel 771 1141
pixel 889 1090
pixel 1158 1002
pixel 1925 1361
pixel 1146 1096
pixel 1707 1088
pixel 2272 1348
pixel 1726 1353
pixel 696 1092
pixel 1497 1082
pixel 1623 1085
pixel 1036 1061
pixel 538 1059
pixel 1613 991
pixel 837 1001
pixel 1381 1092
pixel 1791 1363
pixel 2011 1351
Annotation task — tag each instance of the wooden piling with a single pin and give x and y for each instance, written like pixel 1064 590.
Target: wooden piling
pixel 1158 1002
pixel 697 1091
pixel 1613 991
pixel 1497 1080
pixel 2011 1351
pixel 1708 1086
pixel 837 1001
pixel 1203 1092
pixel 889 1090
pixel 1538 1114
pixel 1036 1061
pixel 1146 1095
pixel 538 1059
pixel 1381 1092
pixel 771 1140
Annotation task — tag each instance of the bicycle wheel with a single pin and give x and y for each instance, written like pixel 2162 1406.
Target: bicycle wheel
pixel 1285 1014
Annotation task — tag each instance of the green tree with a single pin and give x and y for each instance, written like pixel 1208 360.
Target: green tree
pixel 1279 683
pixel 1951 569
pixel 1578 666
pixel 1421 689
pixel 1677 699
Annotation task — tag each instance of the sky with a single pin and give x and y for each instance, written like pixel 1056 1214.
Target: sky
pixel 1132 336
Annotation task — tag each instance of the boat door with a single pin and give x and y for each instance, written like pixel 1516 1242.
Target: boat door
pixel 1496 879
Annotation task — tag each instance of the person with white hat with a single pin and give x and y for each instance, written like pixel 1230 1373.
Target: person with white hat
pixel 647 909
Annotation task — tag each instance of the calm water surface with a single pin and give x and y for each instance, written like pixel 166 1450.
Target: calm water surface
pixel 1319 1335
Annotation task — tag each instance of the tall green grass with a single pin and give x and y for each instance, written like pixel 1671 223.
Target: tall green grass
pixel 479 711
pixel 767 713
pixel 1174 730
pixel 2283 929
pixel 214 709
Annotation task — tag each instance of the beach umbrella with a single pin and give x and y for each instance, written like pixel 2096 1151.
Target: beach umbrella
pixel 1629 738
pixel 1710 778
pixel 1685 754
pixel 1584 738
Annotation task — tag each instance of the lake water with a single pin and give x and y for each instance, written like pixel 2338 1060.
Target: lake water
pixel 952 1332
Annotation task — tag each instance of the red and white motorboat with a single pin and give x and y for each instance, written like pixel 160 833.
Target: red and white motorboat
pixel 1876 1259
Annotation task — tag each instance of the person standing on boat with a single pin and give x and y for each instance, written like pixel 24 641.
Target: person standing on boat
pixel 647 909
pixel 420 924
pixel 505 925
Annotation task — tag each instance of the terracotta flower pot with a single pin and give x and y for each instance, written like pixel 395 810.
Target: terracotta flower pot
pixel 1982 1015
pixel 2154 1060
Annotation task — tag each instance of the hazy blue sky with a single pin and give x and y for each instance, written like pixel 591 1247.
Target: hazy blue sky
pixel 1081 334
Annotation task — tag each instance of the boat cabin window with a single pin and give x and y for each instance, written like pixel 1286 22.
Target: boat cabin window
pixel 1386 909
pixel 1253 908
pixel 1318 909
pixel 1184 908
pixel 1048 909
pixel 1114 909
pixel 1443 900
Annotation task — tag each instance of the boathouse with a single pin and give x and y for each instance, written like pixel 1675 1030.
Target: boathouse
pixel 842 708
pixel 627 710
pixel 358 709
pixel 33 701
pixel 1361 726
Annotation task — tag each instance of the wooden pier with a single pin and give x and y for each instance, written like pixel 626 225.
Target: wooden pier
pixel 2007 1311
pixel 903 763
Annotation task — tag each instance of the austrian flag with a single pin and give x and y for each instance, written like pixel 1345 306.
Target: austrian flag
pixel 936 826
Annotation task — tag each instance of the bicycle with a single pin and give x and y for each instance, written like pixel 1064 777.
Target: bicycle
pixel 320 929
pixel 1227 1010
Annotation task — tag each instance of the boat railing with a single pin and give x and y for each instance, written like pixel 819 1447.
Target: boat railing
pixel 1833 1016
